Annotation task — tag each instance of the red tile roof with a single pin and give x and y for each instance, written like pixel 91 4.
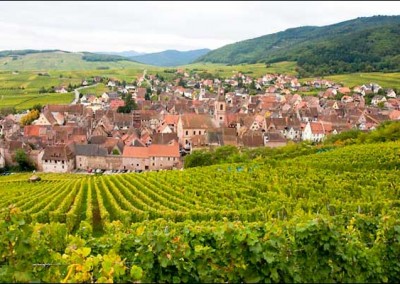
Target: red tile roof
pixel 154 150
pixel 171 118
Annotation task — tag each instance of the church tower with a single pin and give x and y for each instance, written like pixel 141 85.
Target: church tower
pixel 220 108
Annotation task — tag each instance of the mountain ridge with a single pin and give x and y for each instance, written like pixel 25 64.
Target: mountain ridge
pixel 349 46
pixel 170 57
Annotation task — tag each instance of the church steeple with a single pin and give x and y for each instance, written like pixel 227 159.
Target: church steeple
pixel 220 108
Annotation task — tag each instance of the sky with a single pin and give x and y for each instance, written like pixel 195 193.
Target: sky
pixel 157 26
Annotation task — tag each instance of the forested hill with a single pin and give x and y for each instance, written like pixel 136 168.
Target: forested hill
pixel 170 57
pixel 363 44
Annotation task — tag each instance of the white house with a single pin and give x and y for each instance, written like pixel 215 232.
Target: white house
pixel 314 131
pixel 2 160
pixel 58 159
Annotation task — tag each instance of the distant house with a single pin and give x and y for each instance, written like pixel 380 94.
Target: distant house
pixel 191 125
pixel 391 93
pixel 116 103
pixel 274 139
pixel 94 156
pixel 46 118
pixel 378 99
pixel 2 160
pixel 154 157
pixel 58 159
pixel 111 84
pixel 61 90
pixel 316 131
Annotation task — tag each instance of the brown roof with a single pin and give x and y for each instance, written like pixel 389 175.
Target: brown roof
pixel 275 137
pixel 252 139
pixel 58 153
pixel 197 121
pixel 164 138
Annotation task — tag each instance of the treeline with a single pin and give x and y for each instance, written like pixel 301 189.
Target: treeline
pixel 94 57
pixel 6 53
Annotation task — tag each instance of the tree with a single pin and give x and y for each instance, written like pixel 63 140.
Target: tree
pixel 182 83
pixel 23 161
pixel 30 117
pixel 148 94
pixel 70 88
pixel 37 107
pixel 130 104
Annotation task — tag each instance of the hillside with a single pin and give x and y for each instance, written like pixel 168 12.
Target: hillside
pixel 170 57
pixel 128 53
pixel 62 60
pixel 363 44
pixel 288 220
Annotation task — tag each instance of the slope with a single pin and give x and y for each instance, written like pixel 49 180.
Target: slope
pixel 170 57
pixel 363 44
pixel 61 60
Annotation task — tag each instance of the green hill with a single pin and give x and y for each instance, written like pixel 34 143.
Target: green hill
pixel 363 44
pixel 170 57
pixel 61 60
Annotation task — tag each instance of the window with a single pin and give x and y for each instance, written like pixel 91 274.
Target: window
pixel 220 118
pixel 137 165
pixel 62 166
pixel 221 107
pixel 169 158
pixel 194 132
pixel 153 164
pixel 199 132
pixel 63 162
pixel 187 132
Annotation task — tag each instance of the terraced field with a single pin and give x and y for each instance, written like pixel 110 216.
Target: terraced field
pixel 354 179
pixel 303 219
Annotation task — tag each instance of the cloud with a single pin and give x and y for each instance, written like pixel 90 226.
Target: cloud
pixel 156 26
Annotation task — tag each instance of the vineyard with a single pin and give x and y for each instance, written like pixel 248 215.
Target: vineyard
pixel 324 217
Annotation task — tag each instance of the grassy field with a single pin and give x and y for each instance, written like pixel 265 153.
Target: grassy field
pixel 253 70
pixel 60 61
pixel 386 80
pixel 98 90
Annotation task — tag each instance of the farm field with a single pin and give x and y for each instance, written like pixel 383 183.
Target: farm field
pixel 318 209
pixel 60 61
pixel 386 80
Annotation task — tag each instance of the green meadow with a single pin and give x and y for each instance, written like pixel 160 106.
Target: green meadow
pixel 386 80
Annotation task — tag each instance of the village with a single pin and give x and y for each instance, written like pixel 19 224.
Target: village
pixel 185 114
